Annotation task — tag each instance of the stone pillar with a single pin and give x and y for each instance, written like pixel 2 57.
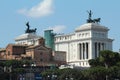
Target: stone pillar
pixel 83 51
pixel 86 50
pixel 99 48
pixel 102 46
pixel 80 51
pixel 96 51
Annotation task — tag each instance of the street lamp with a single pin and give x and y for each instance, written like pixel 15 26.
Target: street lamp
pixel 32 65
pixel 69 78
pixel 30 70
pixel 52 77
pixel 66 78
pixel 22 76
pixel 48 77
pixel 9 70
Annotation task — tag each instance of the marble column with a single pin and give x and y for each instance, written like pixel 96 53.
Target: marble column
pixel 80 51
pixel 83 50
pixel 99 48
pixel 96 49
pixel 86 50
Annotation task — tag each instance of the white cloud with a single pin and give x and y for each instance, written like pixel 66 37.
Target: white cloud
pixel 44 8
pixel 58 28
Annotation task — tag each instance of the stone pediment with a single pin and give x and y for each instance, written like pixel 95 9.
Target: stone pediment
pixel 43 48
pixel 38 47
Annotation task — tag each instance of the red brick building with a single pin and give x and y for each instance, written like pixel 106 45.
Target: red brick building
pixel 2 54
pixel 14 51
pixel 40 54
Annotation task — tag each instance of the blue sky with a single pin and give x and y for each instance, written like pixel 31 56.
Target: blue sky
pixel 61 15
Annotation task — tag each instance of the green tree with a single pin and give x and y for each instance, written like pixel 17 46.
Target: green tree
pixel 13 67
pixel 63 74
pixel 114 72
pixel 71 74
pixel 108 59
pixel 95 73
pixel 95 62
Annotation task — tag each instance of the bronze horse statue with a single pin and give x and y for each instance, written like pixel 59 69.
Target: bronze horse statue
pixel 96 20
pixel 28 30
pixel 90 20
pixel 93 20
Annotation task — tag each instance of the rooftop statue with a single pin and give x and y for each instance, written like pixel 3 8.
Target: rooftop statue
pixel 97 20
pixel 90 14
pixel 90 20
pixel 28 30
pixel 28 26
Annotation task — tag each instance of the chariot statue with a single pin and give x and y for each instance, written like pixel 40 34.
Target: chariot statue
pixel 28 30
pixel 90 20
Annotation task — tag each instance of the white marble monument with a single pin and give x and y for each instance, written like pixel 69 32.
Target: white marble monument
pixel 84 44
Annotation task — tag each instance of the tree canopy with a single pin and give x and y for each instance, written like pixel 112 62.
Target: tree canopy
pixel 110 61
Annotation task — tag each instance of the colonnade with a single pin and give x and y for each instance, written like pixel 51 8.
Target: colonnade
pixel 98 47
pixel 83 51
